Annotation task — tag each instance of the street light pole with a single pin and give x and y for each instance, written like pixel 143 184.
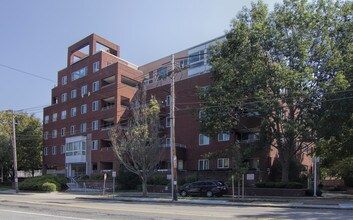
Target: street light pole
pixel 173 156
pixel 14 151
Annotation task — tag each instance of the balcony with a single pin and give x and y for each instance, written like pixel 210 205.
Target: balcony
pixel 108 103
pixel 107 123
pixel 109 81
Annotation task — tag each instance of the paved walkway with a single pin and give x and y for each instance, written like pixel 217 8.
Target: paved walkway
pixel 329 200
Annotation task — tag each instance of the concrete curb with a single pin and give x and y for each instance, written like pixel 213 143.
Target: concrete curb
pixel 339 206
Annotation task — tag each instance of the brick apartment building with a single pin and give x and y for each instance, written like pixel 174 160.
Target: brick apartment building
pixel 91 96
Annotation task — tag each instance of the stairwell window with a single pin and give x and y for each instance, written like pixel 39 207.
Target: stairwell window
pixel 203 140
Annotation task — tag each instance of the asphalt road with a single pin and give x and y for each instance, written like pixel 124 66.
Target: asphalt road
pixel 65 206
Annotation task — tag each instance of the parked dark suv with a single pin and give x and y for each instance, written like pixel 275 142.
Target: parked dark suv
pixel 207 188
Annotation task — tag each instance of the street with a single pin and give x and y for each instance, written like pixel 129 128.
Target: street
pixel 66 206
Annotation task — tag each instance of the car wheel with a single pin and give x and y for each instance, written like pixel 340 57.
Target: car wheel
pixel 183 193
pixel 209 193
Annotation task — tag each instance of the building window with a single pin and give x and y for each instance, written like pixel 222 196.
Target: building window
pixel 203 139
pixel 63 114
pixel 63 80
pixel 203 164
pixel 196 59
pixel 84 109
pixel 95 145
pixel 84 90
pixel 95 66
pixel 73 112
pixel 95 125
pixel 55 117
pixel 53 150
pixel 45 151
pixel 202 115
pixel 46 119
pixel 63 132
pixel 162 73
pixel 73 93
pixel 168 142
pixel 249 137
pixel 62 149
pixel 64 97
pixel 79 73
pixel 223 163
pixel 167 100
pixel 95 86
pixel 83 127
pixel 180 165
pixel 168 122
pixel 72 129
pixel 224 137
pixel 46 135
pixel 95 106
pixel 54 133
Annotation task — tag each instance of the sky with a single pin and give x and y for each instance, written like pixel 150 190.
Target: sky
pixel 35 35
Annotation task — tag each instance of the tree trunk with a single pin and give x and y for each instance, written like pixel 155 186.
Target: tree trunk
pixel 285 171
pixel 144 187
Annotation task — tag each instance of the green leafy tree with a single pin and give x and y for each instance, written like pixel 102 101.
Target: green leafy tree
pixel 28 142
pixel 278 64
pixel 335 129
pixel 137 145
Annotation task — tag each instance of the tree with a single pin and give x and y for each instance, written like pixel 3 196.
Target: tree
pixel 335 127
pixel 137 145
pixel 28 141
pixel 280 65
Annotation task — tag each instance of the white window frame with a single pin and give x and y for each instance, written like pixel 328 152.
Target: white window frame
pixel 54 133
pixel 79 73
pixel 203 140
pixel 63 114
pixel 84 90
pixel 45 151
pixel 225 136
pixel 72 129
pixel 62 131
pixel 95 144
pixel 63 80
pixel 53 150
pixel 167 100
pixel 223 163
pixel 95 106
pixel 83 127
pixel 73 93
pixel 84 109
pixel 96 66
pixel 46 134
pixel 46 119
pixel 95 86
pixel 203 164
pixel 62 149
pixel 168 122
pixel 95 125
pixel 64 97
pixel 55 117
pixel 73 112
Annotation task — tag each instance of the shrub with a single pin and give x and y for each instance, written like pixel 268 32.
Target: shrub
pixel 158 180
pixel 36 183
pixel 49 187
pixel 286 185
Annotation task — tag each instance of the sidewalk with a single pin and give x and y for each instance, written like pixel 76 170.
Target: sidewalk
pixel 328 201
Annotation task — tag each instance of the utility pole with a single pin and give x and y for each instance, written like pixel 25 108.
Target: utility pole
pixel 173 156
pixel 14 151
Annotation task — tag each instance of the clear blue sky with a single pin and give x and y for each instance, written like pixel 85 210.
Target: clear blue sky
pixel 35 35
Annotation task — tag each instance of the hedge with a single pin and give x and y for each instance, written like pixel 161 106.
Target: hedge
pixel 36 183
